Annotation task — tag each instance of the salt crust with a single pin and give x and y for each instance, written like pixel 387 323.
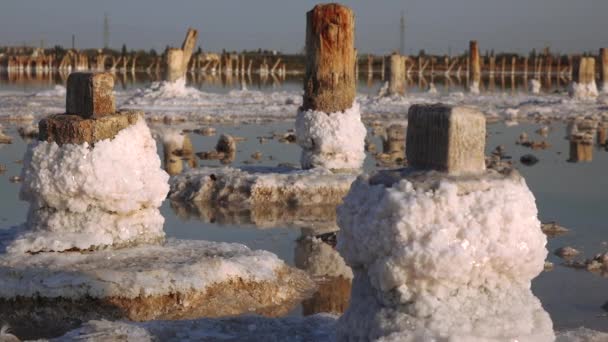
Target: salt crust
pixel 331 140
pixel 255 106
pixel 121 175
pixel 258 185
pixel 583 91
pixel 88 197
pixel 52 230
pixel 248 328
pixel 179 266
pixel 441 262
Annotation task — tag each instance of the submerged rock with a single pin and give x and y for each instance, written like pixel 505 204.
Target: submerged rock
pixel 552 229
pixel 226 144
pixel 528 159
pixel 566 252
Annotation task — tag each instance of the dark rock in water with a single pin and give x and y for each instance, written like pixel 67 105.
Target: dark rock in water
pixel 528 159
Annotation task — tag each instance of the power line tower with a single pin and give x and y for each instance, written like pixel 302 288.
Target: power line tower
pixel 402 34
pixel 106 31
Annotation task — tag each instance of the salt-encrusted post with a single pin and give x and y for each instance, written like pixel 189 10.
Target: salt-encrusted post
pixel 583 78
pixel 396 78
pixel 475 67
pixel 604 68
pixel 328 125
pixel 445 138
pixel 442 237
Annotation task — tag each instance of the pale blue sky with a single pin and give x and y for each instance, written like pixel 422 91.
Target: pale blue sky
pixel 433 25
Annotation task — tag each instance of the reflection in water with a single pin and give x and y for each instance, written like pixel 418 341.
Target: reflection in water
pixel 393 144
pixel 222 82
pixel 261 216
pixel 178 148
pixel 580 151
pixel 317 256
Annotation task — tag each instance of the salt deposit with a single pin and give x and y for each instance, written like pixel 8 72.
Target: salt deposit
pixel 88 197
pixel 180 279
pixel 249 186
pixel 255 106
pixel 437 257
pixel 331 140
pixel 583 91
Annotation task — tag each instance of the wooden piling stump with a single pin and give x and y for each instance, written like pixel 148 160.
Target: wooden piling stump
pixel 396 80
pixel 475 67
pixel 74 129
pixel 445 138
pixel 174 67
pixel 90 94
pixel 329 84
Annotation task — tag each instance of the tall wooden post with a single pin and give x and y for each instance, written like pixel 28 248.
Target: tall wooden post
pixel 329 82
pixel 396 80
pixel 475 67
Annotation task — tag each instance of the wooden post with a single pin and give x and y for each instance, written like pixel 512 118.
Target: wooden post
pixel 604 68
pixel 445 138
pixel 329 82
pixel 475 67
pixel 174 61
pixel 370 65
pixel 396 78
pixel 492 65
pixel 382 68
pixel 187 47
pixel 513 64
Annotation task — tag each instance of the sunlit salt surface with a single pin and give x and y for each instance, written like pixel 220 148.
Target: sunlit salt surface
pixel 572 194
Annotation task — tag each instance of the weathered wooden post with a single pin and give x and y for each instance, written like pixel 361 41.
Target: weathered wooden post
pixel 474 67
pixel 604 69
pixel 583 78
pixel 396 79
pixel 328 125
pixel 174 59
pixel 382 67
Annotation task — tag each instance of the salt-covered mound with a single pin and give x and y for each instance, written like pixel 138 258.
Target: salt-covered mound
pixel 251 186
pixel 583 91
pixel 440 257
pixel 250 328
pixel 331 140
pixel 46 294
pixel 84 197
